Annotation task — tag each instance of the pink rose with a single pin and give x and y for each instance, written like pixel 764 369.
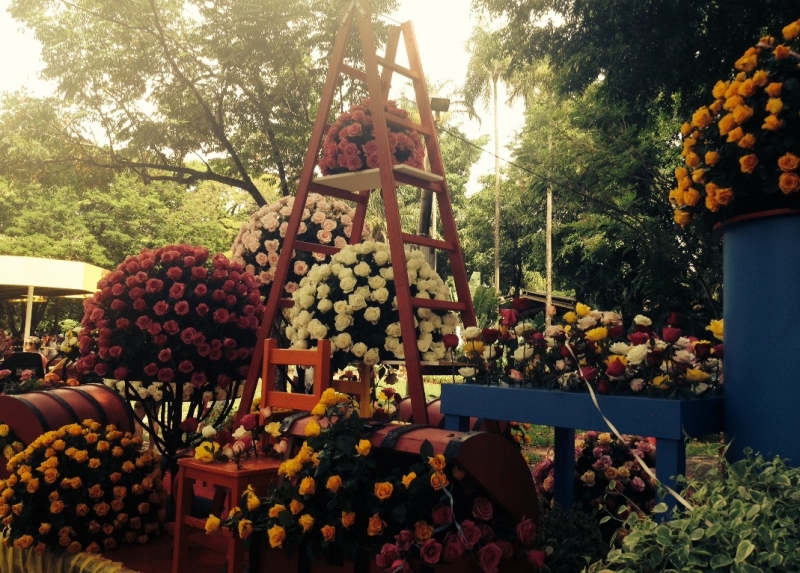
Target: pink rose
pixel 637 484
pixel 536 557
pixel 229 343
pixel 388 555
pixel 430 551
pixel 482 509
pixel 401 566
pixel 471 532
pixel 526 531
pixel 489 558
pixel 487 533
pixel 404 540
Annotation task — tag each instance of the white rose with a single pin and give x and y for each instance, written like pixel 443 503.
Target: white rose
pixel 209 432
pixel 387 273
pixel 586 322
pixel 701 388
pixel 371 357
pixel 291 332
pixel 356 301
pixel 324 270
pixel 435 320
pixel 208 396
pixel 348 256
pixel 442 293
pixel 317 330
pixel 300 344
pixel 523 353
pixel 682 342
pixel 393 329
pixel 424 312
pixel 451 319
pixel 362 269
pixel 637 384
pixel 619 348
pixel 344 341
pixel 303 318
pixel 684 357
pixel 423 344
pixel 413 264
pixel 359 349
pixel 342 322
pixel 372 314
pixel 447 329
pixel 381 257
pixel 336 267
pixel 323 291
pixel 425 326
pixel 158 395
pixel 400 352
pixel 364 248
pixel 636 354
pixel 340 307
pixel 642 320
pixel 307 301
pixel 611 318
pixel 363 291
pixel 439 350
pixel 391 343
pixel 489 352
pixel 471 332
pixel 380 295
pixel 426 272
pixel 412 276
pixel 467 371
pixel 325 305
pixel 347 284
pixel 377 282
pixel 240 433
pixel 302 333
pixel 429 356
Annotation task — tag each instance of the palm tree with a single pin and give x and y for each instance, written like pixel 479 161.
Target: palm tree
pixel 487 66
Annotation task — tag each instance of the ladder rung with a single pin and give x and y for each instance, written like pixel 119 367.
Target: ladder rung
pixel 285 303
pixel 358 75
pixel 397 68
pixel 336 193
pixel 393 119
pixel 427 242
pixel 437 304
pixel 315 248
pixel 407 179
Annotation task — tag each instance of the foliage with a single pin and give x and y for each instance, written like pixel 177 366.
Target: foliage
pixel 745 520
pixel 83 487
pixel 572 540
pixel 350 142
pixel 743 148
pixel 172 315
pixel 352 302
pixel 260 241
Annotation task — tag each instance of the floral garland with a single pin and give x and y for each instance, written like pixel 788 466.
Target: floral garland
pixel 83 487
pixel 259 244
pixel 591 346
pixel 743 149
pixel 350 142
pixel 352 302
pixel 172 316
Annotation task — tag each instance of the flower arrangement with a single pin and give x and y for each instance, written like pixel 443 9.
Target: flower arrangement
pixel 9 443
pixel 591 346
pixel 70 346
pixel 27 383
pixel 350 142
pixel 352 302
pixel 259 244
pixel 172 316
pixel 743 149
pixel 224 445
pixel 83 487
pixel 424 510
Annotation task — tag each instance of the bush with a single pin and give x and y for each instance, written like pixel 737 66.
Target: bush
pixel 571 539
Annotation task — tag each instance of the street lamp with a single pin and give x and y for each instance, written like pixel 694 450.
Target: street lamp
pixel 438 105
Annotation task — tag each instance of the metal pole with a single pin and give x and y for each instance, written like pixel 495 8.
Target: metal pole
pixel 29 313
pixel 549 243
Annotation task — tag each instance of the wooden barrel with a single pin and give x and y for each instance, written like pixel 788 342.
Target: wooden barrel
pixel 436 418
pixel 31 415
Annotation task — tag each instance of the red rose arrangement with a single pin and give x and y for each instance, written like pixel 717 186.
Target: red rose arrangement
pixel 172 316
pixel 350 142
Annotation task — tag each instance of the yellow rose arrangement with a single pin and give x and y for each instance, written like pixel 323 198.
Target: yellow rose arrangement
pixel 742 151
pixel 83 487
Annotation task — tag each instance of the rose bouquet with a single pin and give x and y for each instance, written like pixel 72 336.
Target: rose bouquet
pixel 172 316
pixel 592 346
pixel 70 346
pixel 742 151
pixel 350 142
pixel 258 246
pixel 27 382
pixel 352 302
pixel 83 487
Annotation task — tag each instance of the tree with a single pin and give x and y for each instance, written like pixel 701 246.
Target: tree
pixel 487 66
pixel 146 85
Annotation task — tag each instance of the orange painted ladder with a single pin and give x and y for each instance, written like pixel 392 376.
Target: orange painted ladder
pixel 377 75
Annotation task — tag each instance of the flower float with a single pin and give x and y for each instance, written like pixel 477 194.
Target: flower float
pixel 742 152
pixel 352 302
pixel 350 142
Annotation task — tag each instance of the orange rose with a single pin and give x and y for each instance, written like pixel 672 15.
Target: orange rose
pixel 296 507
pixel 701 118
pixel 760 78
pixel 82 510
pixel 437 462
pixel 422 531
pixel 438 481
pixel 348 519
pixel 692 159
pixel 691 197
pixel 741 114
pixel 56 507
pixel 383 490
pixel 789 182
pixel 791 31
pixel 276 510
pixel 774 105
pixel 682 218
pixel 128 467
pixel 747 89
pixel 748 163
pixel 96 492
pixel 101 509
pixel 117 505
pixel 719 89
pixel 23 542
pixel 726 124
pixel 333 484
pixel 307 486
pixel 328 532
pixel 774 89
pixel 789 162
pixel 748 141
pixel 733 102
pixel 782 52
pixel 376 525
pixel 724 196
pixel 711 158
pixel 735 135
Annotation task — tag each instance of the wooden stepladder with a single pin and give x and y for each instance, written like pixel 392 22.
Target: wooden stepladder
pixel 377 75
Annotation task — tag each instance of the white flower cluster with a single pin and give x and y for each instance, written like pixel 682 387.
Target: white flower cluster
pixel 352 302
pixel 259 242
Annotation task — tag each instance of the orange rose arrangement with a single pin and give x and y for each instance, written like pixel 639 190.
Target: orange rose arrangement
pixel 742 151
pixel 83 487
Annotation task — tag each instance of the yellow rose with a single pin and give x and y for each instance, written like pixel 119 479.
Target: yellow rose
pixel 319 410
pixel 333 484
pixel 328 532
pixel 659 380
pixel 273 429
pixel 307 486
pixel 725 124
pixel 774 89
pixel 789 182
pixel 696 375
pixel 313 428
pixel 570 317
pixel 789 162
pixel 438 481
pixel 363 447
pixel 604 438
pixel 296 506
pixel 601 332
pixel 3 430
pixel 774 105
pixel 748 141
pixel 376 525
pixel 747 89
pixel 305 453
pixel 329 397
pixel 408 478
pixel 306 522
pixel 383 490
pixel 772 123
pixel 582 309
pixel 741 114
pixel 701 118
pixel 791 31
pixel 711 158
pixel 681 217
pixel 692 159
pixel 761 78
pixel 735 135
pixel 205 451
pixel 253 502
pixel 717 328
pixel 276 510
pixel 348 519
pixel 748 162
pixel 473 347
pixel 245 528
pixel 277 535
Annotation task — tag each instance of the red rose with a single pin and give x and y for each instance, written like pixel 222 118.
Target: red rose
pixel 453 548
pixel 230 300
pixel 614 331
pixel 120 373
pixel 165 374
pixel 148 265
pixel 132 267
pixel 669 334
pixel 249 422
pixel 471 532
pixel 216 343
pixel 131 281
pixel 489 558
pixel 354 163
pixel 171 327
pixel 430 551
pixel 522 304
pixel 100 369
pixel 702 350
pixel 167 257
pixel 151 369
pixel 181 308
pixel 188 425
pixel 202 309
pixel 176 290
pixel 404 540
pixel 223 381
pixel 526 531
pixel 220 315
pixel 186 366
pixel 122 323
pixel 136 293
pixel 508 549
pixel 388 555
pixel 140 304
pixel 615 367
pixel 603 387
pixel 154 286
pixel 450 340
pixel 174 273
pixel 187 335
pixel 490 335
pixel 143 322
pixel 487 533
pixel 215 354
pixel 201 290
pixel 165 355
pixel 97 314
pixel 161 308
pixel 243 353
pixel 638 338
pixel 218 295
pixel 508 317
pixel 154 328
pixel 159 340
pixel 118 305
pixel 588 373
pixel 536 557
pixel 442 515
pixel 229 343
pixel 228 285
pixel 719 351
pixel 188 261
pixel 115 351
pixel 482 509
pixel 230 354
pixel 199 273
pixel 401 566
pixel 199 380
pixel 203 349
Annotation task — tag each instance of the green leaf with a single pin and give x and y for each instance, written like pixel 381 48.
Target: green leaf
pixel 697 534
pixel 744 550
pixel 605 519
pixel 774 560
pixel 660 508
pixel 663 535
pixel 713 530
pixel 721 560
pixel 426 450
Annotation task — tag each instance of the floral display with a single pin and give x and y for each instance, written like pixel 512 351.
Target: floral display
pixel 741 152
pixel 28 383
pixel 350 142
pixel 592 346
pixel 609 478
pixel 259 244
pixel 172 316
pixel 9 443
pixel 70 346
pixel 5 343
pixel 83 487
pixel 352 302
pixel 226 445
pixel 425 510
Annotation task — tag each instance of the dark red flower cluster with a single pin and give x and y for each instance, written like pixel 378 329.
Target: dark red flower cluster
pixel 350 142
pixel 172 315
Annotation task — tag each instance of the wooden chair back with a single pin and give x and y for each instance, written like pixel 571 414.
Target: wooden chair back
pixel 318 358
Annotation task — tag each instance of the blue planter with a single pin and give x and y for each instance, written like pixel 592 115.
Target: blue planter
pixel 762 334
pixel 667 420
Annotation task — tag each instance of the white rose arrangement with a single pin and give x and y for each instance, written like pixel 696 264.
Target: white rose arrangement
pixel 352 302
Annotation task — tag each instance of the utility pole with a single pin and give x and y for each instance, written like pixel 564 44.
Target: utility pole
pixel 549 240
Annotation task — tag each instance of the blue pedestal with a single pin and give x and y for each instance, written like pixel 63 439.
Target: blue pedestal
pixel 666 420
pixel 761 267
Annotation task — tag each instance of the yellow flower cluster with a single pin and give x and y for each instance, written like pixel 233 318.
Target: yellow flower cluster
pixel 738 125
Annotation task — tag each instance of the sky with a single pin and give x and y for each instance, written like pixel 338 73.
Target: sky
pixel 442 29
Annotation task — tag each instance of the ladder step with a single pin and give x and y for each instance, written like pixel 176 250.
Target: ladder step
pixel 438 304
pixel 315 248
pixel 397 68
pixel 427 242
pixel 285 303
pixel 399 121
pixel 321 186
pixel 368 179
pixel 359 75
